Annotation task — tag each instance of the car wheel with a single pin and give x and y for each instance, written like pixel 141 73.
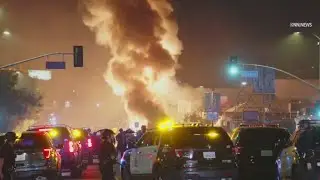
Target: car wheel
pixel 125 174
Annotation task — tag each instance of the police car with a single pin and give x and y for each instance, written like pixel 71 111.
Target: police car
pixel 264 149
pixel 181 152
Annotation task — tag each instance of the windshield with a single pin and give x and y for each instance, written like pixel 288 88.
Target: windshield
pixel 59 135
pixel 262 137
pixel 32 141
pixel 197 137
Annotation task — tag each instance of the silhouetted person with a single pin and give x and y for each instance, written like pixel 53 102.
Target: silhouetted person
pixel 107 156
pixel 121 140
pixel 7 157
pixel 141 132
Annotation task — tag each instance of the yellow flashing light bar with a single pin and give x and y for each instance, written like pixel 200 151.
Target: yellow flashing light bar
pixel 53 133
pixel 166 125
pixel 76 133
pixel 213 135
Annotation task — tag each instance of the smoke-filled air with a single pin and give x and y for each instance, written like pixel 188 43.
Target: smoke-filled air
pixel 141 36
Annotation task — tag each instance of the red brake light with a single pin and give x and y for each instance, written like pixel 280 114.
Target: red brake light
pixel 47 153
pixel 71 149
pixel 89 143
pixel 237 150
pixel 183 154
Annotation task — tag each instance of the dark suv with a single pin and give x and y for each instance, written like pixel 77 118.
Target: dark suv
pixel 68 148
pixel 183 152
pixel 259 150
pixel 85 141
pixel 36 156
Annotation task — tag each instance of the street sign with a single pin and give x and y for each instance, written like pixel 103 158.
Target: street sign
pixel 264 84
pixel 212 102
pixel 269 81
pixel 212 105
pixel 44 75
pixel 250 116
pixel 249 74
pixel 212 116
pixel 55 65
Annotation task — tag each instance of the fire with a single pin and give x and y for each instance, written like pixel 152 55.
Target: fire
pixel 143 42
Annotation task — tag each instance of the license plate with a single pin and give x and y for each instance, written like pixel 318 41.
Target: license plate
pixel 209 155
pixel 64 174
pixel 21 157
pixel 318 164
pixel 95 161
pixel 266 153
pixel 85 161
pixel 309 166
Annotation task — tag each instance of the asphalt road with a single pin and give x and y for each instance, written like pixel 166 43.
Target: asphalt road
pixel 93 173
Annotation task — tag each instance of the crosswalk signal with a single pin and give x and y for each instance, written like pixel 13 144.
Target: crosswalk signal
pixel 77 56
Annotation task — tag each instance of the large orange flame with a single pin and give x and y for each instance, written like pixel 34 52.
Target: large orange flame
pixel 142 38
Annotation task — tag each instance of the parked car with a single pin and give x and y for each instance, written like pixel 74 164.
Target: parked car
pixel 36 156
pixel 67 146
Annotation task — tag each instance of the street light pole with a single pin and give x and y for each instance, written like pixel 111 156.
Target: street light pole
pixel 319 56
pixel 285 72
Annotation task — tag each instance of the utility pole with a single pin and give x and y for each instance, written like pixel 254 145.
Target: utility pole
pixel 318 57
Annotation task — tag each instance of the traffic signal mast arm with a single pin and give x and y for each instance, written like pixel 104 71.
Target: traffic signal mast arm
pixel 34 58
pixel 77 54
pixel 285 72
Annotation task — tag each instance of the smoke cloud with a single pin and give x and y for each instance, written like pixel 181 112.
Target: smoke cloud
pixel 142 38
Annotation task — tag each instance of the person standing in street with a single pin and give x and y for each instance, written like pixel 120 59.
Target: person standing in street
pixel 141 132
pixel 107 155
pixel 121 142
pixel 7 157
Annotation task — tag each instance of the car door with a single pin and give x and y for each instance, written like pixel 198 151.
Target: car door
pixel 136 157
pixel 148 152
pixel 288 157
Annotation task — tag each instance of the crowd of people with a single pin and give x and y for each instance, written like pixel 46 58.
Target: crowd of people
pixel 125 140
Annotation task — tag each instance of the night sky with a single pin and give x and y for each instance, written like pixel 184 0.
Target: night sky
pixel 211 30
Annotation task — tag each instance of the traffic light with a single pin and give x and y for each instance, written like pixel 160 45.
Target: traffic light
pixel 77 56
pixel 233 66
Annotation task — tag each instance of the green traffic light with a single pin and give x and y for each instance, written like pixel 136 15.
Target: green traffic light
pixel 233 70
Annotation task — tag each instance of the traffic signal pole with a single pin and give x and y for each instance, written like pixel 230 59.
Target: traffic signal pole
pixel 285 72
pixel 77 57
pixel 33 59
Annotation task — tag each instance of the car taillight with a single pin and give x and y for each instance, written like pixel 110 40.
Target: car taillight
pixel 89 143
pixel 47 153
pixel 237 150
pixel 71 148
pixel 183 154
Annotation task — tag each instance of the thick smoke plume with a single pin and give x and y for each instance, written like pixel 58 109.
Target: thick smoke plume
pixel 142 38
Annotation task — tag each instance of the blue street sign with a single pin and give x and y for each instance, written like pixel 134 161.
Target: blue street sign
pixel 212 105
pixel 249 74
pixel 250 116
pixel 213 116
pixel 55 65
pixel 265 83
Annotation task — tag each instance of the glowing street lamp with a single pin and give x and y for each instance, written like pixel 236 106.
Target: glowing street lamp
pixel 6 33
pixel 244 83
